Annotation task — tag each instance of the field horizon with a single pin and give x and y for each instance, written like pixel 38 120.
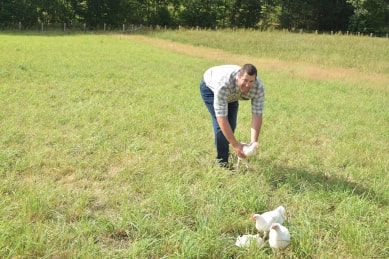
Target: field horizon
pixel 107 149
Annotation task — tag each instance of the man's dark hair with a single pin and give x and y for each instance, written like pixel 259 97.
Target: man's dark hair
pixel 250 69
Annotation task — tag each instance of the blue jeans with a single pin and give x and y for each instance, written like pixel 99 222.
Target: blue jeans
pixel 221 143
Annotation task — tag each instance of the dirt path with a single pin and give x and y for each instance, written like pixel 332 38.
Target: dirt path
pixel 295 69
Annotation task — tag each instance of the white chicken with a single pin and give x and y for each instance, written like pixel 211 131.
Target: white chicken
pixel 279 236
pixel 248 150
pixel 264 221
pixel 248 240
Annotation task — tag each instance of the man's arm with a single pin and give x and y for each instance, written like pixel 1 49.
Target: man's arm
pixel 229 134
pixel 256 124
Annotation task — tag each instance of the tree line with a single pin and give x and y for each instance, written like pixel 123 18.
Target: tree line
pixel 324 15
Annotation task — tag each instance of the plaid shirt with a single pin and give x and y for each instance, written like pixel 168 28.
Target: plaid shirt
pixel 222 80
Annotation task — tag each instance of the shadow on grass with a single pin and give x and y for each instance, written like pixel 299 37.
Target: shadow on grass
pixel 300 180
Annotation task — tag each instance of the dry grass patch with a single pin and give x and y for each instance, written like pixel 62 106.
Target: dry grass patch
pixel 311 71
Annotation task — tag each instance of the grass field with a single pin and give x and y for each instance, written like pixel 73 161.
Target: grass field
pixel 106 149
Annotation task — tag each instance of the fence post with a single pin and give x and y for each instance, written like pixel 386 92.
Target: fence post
pixel 64 26
pixel 20 26
pixel 105 26
pixel 42 27
pixel 84 27
pixel 124 27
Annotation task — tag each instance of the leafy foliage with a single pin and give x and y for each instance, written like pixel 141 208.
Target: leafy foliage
pixel 363 16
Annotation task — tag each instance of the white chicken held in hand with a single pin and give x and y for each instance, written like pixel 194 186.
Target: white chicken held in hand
pixel 264 221
pixel 279 236
pixel 248 150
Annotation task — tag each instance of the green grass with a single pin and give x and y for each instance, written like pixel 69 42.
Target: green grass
pixel 106 151
pixel 363 53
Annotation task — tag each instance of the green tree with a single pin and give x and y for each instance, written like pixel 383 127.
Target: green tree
pixel 369 15
pixel 55 11
pixel 201 13
pixel 290 12
pixel 356 15
pixel 131 12
pixel 7 17
pixel 15 11
pixel 270 13
pixel 332 14
pixel 315 15
pixel 246 13
pixel 98 12
pixel 157 12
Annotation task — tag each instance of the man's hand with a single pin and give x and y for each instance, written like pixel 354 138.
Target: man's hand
pixel 238 148
pixel 229 134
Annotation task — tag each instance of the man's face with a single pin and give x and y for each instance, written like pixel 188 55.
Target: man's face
pixel 245 82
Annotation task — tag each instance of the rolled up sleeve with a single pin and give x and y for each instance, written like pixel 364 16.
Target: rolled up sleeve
pixel 258 103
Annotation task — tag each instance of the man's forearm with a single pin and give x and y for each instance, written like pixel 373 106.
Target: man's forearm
pixel 227 130
pixel 256 125
pixel 229 134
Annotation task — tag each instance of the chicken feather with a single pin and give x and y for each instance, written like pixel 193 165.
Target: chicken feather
pixel 264 221
pixel 279 236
